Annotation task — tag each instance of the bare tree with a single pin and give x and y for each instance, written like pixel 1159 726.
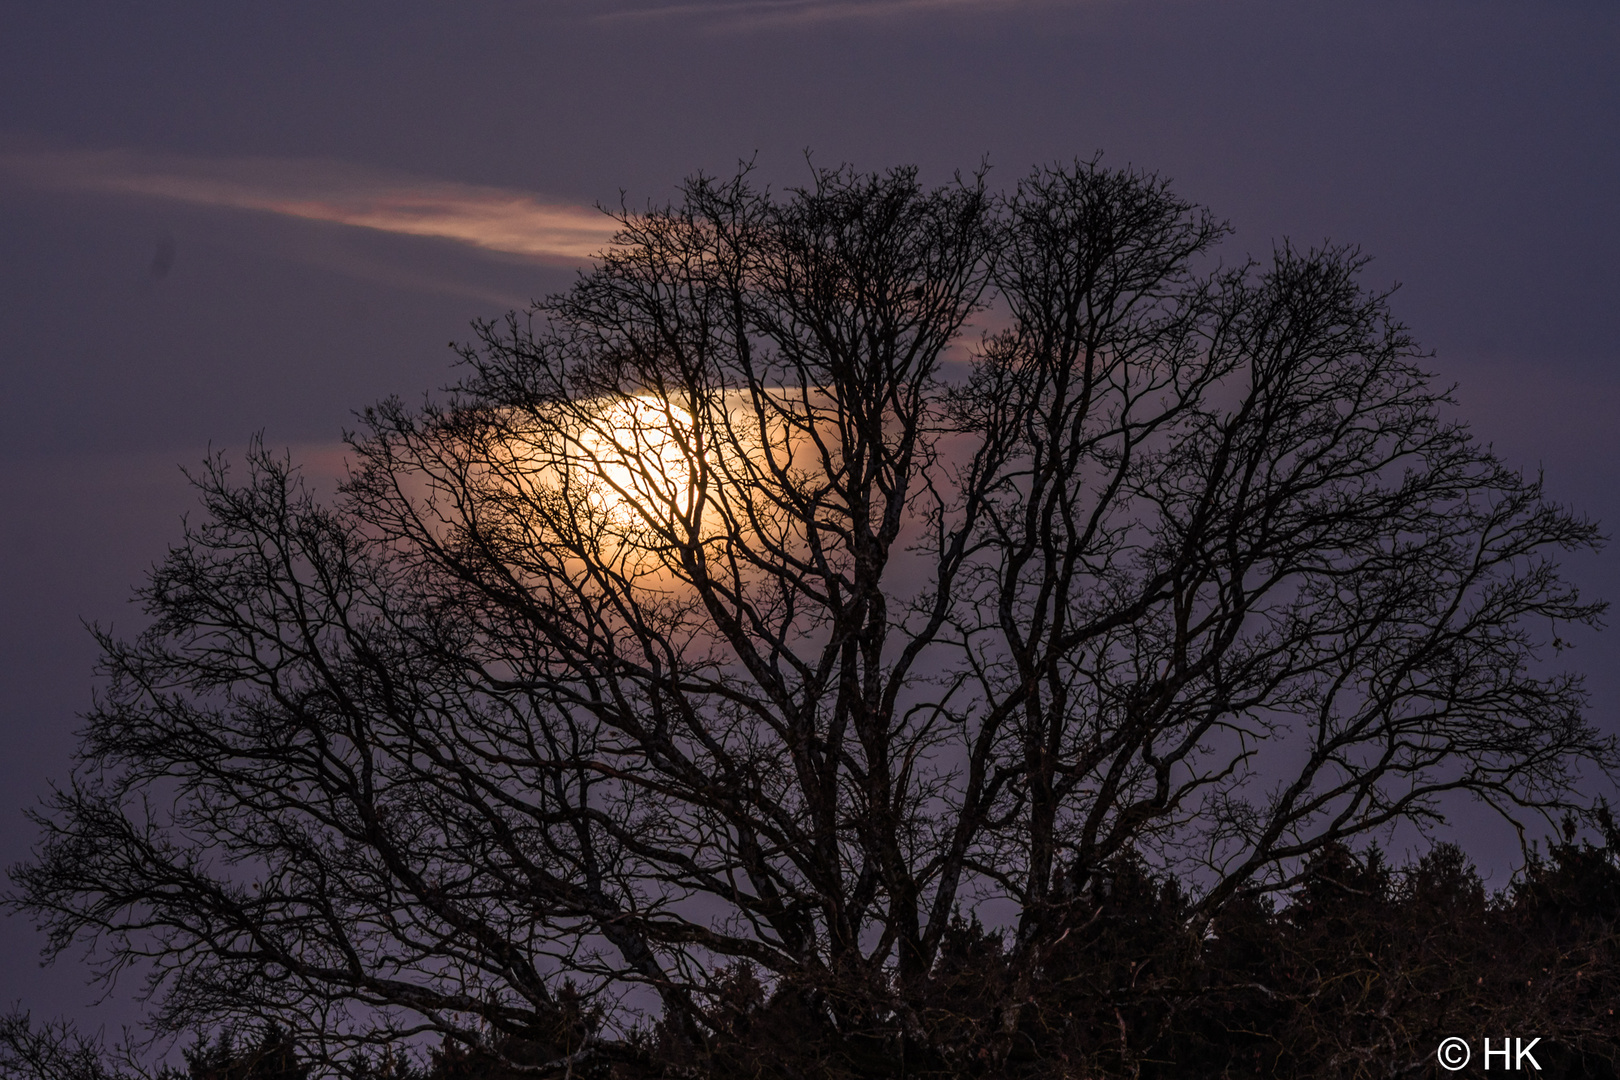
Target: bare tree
pixel 746 604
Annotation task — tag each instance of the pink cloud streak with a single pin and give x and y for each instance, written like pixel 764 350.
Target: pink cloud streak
pixel 493 219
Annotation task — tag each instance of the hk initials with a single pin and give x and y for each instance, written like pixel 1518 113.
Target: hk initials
pixel 1515 1056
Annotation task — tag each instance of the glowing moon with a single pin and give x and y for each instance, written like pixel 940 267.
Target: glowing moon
pixel 633 462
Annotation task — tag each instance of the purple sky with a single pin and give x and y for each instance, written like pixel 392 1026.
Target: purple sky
pixel 215 222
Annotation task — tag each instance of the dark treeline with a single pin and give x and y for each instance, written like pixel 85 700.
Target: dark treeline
pixel 1360 972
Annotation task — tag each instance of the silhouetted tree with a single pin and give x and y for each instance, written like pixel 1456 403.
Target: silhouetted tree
pixel 742 620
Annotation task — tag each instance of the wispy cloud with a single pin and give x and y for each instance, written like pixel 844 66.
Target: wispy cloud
pixel 766 12
pixel 494 219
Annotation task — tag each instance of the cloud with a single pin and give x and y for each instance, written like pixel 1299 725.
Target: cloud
pixel 493 219
pixel 767 12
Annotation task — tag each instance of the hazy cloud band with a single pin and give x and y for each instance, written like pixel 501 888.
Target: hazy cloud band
pixel 767 12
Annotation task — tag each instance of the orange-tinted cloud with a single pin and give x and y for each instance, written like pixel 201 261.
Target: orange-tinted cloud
pixel 494 219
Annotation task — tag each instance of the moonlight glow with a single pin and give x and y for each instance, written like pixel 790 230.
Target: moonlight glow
pixel 633 463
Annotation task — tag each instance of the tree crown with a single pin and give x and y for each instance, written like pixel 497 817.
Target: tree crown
pixel 817 568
